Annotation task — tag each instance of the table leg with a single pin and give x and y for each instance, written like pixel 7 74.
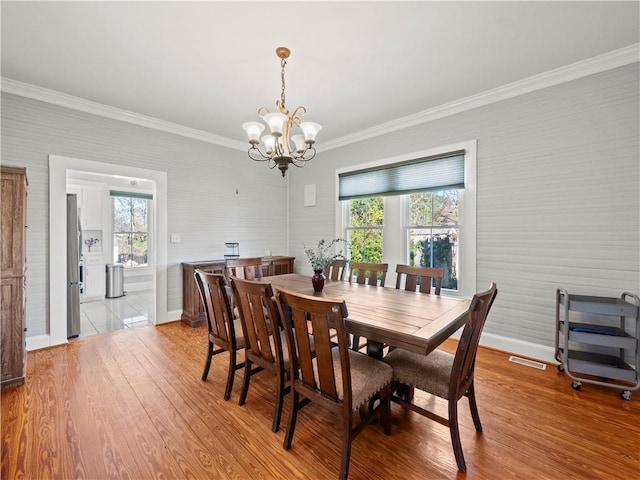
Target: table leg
pixel 375 349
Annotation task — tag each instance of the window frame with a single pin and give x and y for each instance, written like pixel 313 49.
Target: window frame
pixel 395 232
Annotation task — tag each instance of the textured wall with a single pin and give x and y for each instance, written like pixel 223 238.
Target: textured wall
pixel 203 206
pixel 558 194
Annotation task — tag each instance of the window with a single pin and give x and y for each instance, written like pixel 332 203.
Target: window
pixel 424 218
pixel 433 233
pixel 364 229
pixel 131 229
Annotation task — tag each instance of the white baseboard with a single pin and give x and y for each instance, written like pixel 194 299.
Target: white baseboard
pixel 173 316
pixel 519 347
pixel 39 341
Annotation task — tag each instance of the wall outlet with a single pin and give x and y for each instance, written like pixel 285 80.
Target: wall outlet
pixel 174 238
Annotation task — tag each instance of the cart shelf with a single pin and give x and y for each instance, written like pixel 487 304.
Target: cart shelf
pixel 598 337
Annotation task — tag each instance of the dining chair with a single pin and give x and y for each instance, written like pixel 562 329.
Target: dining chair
pixel 335 376
pixel 224 332
pixel 368 273
pixel 445 375
pixel 280 266
pixel 419 278
pixel 247 268
pixel 336 270
pixel 265 343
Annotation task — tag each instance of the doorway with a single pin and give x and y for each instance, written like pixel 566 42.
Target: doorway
pixel 104 203
pixel 58 169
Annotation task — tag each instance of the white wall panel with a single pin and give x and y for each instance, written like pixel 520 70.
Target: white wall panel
pixel 558 199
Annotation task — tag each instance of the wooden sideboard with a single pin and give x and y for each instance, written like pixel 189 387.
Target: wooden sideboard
pixel 192 310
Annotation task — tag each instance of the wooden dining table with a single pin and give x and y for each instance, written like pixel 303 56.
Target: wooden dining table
pixel 387 316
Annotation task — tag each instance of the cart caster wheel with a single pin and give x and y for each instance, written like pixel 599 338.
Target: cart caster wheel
pixel 625 395
pixel 560 367
pixel 576 385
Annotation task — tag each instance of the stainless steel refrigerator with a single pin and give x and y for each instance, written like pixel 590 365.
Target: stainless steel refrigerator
pixel 74 266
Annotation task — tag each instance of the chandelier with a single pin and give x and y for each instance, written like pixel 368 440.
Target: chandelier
pixel 278 149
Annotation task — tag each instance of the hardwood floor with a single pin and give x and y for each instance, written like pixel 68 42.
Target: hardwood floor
pixel 131 404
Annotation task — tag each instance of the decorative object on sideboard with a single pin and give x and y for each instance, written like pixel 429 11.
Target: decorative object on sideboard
pixel 235 250
pixel 280 149
pixel 90 242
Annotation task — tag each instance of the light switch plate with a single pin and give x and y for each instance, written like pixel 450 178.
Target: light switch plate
pixel 174 238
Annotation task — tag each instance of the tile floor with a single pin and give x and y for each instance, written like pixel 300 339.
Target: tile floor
pixel 135 309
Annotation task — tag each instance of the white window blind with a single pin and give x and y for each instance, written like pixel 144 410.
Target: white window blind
pixel 441 172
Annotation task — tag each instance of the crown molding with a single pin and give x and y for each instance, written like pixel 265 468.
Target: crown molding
pixel 69 101
pixel 601 63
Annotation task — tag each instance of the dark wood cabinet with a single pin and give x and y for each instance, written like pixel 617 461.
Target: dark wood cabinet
pixel 13 203
pixel 192 311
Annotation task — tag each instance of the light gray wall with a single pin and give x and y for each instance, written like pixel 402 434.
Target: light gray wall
pixel 203 206
pixel 558 195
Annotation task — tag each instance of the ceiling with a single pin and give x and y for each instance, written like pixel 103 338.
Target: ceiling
pixel 354 65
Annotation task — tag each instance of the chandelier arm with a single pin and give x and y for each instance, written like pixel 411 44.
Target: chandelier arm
pixel 297 114
pixel 262 111
pixel 271 163
pixel 257 151
pixel 298 163
pixel 303 158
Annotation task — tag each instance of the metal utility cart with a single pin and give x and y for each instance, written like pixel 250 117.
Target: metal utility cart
pixel 598 337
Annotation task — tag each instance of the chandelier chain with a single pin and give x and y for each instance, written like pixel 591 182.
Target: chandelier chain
pixel 282 64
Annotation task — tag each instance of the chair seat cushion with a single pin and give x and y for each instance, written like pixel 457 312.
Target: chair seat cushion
pixel 368 376
pixel 430 373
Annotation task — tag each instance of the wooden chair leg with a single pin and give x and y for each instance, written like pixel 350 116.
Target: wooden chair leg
pixel 277 414
pixel 207 363
pixel 246 379
pixel 288 438
pixel 385 409
pixel 454 430
pixel 473 406
pixel 230 375
pixel 346 447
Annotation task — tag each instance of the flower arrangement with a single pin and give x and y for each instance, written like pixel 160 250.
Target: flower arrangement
pixel 90 242
pixel 321 257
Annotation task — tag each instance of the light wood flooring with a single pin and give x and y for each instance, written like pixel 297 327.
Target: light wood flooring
pixel 131 404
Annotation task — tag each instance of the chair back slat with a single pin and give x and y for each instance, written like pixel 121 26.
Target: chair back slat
pixel 464 361
pixel 367 273
pixel 244 268
pixel 336 270
pixel 259 318
pixel 212 288
pixel 318 316
pixel 419 276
